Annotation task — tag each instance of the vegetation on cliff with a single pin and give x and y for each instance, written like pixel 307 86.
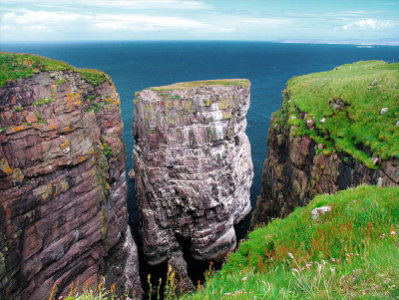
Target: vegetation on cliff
pixel 351 251
pixel 14 66
pixel 194 84
pixel 353 108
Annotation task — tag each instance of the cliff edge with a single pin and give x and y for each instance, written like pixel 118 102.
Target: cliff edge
pixel 334 130
pixel 193 167
pixel 63 215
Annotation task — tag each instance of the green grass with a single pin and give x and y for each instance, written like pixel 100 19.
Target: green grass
pixel 14 66
pixel 194 84
pixel 293 258
pixel 358 124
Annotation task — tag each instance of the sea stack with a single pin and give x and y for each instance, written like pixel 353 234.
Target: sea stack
pixel 63 214
pixel 331 134
pixel 193 167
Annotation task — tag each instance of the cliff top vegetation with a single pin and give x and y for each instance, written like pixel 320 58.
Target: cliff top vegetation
pixel 14 66
pixel 354 108
pixel 349 252
pixel 194 84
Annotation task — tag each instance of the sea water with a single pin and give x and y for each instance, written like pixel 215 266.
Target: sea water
pixel 134 66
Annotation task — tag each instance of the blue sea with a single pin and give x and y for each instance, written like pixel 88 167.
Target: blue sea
pixel 134 66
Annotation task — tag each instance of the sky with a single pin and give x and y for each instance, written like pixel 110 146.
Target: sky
pixel 325 21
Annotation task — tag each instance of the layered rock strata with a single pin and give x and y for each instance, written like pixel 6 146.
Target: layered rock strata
pixel 300 166
pixel 63 215
pixel 193 167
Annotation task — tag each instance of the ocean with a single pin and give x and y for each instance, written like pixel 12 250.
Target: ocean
pixel 134 66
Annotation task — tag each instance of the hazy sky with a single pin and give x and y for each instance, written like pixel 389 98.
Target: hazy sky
pixel 266 20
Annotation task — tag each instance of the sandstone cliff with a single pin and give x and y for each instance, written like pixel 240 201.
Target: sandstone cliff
pixel 193 168
pixel 334 130
pixel 63 215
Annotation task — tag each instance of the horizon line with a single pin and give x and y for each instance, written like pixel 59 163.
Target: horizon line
pixel 286 41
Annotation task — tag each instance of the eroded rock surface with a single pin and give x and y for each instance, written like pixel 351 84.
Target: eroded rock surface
pixel 193 167
pixel 294 172
pixel 63 215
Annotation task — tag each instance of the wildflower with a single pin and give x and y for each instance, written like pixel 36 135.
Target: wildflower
pixel 227 294
pixel 332 270
pixel 362 258
pixel 393 233
pixel 127 298
pixel 382 235
pixel 244 279
pixel 351 254
pixel 294 270
pixel 324 262
pixel 60 297
pixel 347 255
pixel 357 254
pixel 307 266
pixel 303 269
pixel 332 259
pixel 290 255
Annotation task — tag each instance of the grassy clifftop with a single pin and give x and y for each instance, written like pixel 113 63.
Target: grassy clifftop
pixel 351 251
pixel 353 108
pixel 14 66
pixel 194 84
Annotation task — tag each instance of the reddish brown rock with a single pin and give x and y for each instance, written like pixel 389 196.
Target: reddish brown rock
pixel 294 172
pixel 63 215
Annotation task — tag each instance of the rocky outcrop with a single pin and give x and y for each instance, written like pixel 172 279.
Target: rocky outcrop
pixel 300 166
pixel 63 215
pixel 193 167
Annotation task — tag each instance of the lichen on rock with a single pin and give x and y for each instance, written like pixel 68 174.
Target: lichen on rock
pixel 193 168
pixel 63 215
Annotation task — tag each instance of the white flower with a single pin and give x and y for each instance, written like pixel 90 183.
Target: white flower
pixel 290 255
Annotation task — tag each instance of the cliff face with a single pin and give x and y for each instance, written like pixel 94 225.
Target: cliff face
pixel 63 215
pixel 342 140
pixel 193 167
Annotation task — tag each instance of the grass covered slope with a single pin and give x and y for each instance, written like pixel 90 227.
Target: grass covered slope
pixel 351 251
pixel 14 66
pixel 345 106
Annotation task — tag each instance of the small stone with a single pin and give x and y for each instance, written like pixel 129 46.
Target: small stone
pixel 322 120
pixel 310 123
pixel 320 211
pixel 321 146
pixel 372 84
pixel 375 160
pixel 384 110
pixel 131 174
pixel 380 182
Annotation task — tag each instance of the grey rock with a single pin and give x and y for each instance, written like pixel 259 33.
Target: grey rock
pixel 373 83
pixel 320 211
pixel 193 167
